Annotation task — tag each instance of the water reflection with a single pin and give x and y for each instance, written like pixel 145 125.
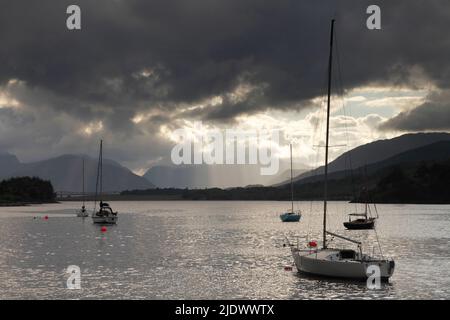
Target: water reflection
pixel 210 250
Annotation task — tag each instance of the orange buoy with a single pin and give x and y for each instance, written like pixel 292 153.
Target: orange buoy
pixel 103 229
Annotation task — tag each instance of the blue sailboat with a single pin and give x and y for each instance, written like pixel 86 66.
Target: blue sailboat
pixel 291 216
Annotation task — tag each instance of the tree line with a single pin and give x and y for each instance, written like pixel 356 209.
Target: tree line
pixel 26 190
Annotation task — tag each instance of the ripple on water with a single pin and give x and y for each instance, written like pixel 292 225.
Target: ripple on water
pixel 209 250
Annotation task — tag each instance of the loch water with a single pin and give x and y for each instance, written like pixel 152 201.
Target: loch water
pixel 212 250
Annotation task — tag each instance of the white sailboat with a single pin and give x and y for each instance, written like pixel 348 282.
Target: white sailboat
pixel 104 215
pixel 83 212
pixel 291 216
pixel 329 262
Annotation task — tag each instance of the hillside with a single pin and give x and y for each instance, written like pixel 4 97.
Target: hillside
pixel 378 151
pixel 419 175
pixel 65 173
pixel 439 151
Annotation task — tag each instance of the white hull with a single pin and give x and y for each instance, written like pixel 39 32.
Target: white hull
pixel 105 219
pixel 327 263
pixel 82 214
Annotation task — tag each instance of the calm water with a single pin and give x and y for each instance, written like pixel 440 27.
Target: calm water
pixel 210 250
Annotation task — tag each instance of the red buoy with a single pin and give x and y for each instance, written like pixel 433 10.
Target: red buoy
pixel 312 244
pixel 45 217
pixel 103 229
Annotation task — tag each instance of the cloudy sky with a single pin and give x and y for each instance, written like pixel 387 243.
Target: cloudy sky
pixel 137 70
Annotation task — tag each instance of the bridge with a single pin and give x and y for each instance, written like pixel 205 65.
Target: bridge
pixel 78 194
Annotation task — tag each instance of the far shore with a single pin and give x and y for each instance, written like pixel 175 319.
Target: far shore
pixel 118 197
pixel 23 204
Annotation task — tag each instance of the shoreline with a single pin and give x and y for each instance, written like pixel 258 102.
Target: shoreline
pixel 180 198
pixel 24 204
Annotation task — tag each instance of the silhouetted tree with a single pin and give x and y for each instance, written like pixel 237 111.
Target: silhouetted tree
pixel 26 189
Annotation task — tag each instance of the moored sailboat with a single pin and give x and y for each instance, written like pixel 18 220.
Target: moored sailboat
pixel 104 215
pixel 362 222
pixel 337 263
pixel 83 212
pixel 291 216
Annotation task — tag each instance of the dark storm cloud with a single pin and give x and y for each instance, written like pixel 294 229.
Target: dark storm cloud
pixel 433 114
pixel 138 55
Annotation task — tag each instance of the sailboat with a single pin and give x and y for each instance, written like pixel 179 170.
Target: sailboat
pixel 83 212
pixel 291 216
pixel 337 263
pixel 362 222
pixel 104 215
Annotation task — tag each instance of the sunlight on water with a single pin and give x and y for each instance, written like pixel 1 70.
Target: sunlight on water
pixel 210 250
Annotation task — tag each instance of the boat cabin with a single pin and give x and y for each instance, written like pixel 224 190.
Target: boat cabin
pixel 105 210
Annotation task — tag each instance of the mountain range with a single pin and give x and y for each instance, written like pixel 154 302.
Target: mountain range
pixel 375 152
pixel 221 176
pixel 65 173
pixel 419 175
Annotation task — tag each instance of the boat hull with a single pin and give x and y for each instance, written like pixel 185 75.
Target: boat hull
pixel 105 219
pixel 316 264
pixel 360 225
pixel 290 217
pixel 82 214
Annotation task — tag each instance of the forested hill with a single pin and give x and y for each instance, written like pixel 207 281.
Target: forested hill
pixel 411 182
pixel 24 190
pixel 422 183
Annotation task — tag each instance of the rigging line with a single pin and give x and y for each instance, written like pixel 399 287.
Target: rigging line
pixel 317 129
pixel 378 242
pixel 376 210
pixel 84 197
pixel 96 184
pixel 341 87
pixel 340 79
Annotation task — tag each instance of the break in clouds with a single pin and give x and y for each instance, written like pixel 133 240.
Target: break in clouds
pixel 139 69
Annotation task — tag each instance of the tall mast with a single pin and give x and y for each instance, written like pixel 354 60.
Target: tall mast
pixel 101 168
pixel 330 62
pixel 292 184
pixel 83 184
pixel 99 165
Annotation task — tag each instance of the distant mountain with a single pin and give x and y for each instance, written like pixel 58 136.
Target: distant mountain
pixel 222 176
pixel 178 177
pixel 65 173
pixel 417 176
pixel 285 176
pixel 8 163
pixel 414 181
pixel 438 151
pixel 435 152
pixel 377 151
